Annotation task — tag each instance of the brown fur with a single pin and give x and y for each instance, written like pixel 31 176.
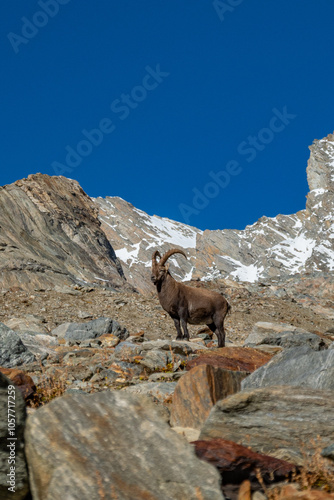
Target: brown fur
pixel 185 304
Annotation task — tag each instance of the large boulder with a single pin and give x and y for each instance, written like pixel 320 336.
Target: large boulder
pixel 90 330
pixel 231 358
pixel 12 350
pixel 283 335
pixel 112 445
pixel 279 421
pixel 199 390
pixel 300 366
pixel 13 466
pixel 237 464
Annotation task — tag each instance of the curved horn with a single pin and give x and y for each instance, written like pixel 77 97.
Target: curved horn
pixel 169 254
pixel 154 257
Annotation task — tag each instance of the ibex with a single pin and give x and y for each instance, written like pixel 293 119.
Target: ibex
pixel 185 304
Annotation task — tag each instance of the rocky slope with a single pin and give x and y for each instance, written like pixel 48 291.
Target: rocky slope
pixel 275 247
pixel 50 235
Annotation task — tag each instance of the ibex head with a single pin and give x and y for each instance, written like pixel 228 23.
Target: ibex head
pixel 159 269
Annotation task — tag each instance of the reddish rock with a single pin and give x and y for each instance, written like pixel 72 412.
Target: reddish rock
pixel 244 359
pixel 23 381
pixel 237 464
pixel 199 390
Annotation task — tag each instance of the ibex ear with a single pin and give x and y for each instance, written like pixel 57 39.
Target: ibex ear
pixel 167 267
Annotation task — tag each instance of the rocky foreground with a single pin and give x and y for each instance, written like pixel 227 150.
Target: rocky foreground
pixel 118 409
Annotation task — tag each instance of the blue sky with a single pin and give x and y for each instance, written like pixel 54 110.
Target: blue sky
pixel 200 111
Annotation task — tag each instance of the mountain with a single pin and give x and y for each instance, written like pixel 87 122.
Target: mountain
pixel 50 235
pixel 53 233
pixel 277 247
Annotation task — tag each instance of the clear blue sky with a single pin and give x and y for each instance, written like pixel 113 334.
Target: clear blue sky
pixel 189 96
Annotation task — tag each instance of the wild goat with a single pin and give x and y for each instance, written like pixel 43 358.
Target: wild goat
pixel 185 304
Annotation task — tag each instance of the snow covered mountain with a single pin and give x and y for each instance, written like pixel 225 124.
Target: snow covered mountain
pixel 281 246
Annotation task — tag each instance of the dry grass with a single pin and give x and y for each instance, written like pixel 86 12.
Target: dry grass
pixel 317 473
pixel 50 388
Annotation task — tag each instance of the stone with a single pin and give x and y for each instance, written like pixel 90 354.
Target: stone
pixel 154 360
pixel 180 347
pixel 198 391
pixel 21 380
pixel 17 446
pixel 284 335
pixel 112 445
pixel 231 358
pixel 56 237
pixel 161 391
pixel 127 351
pixel 328 452
pixel 274 419
pixel 90 330
pixel 299 366
pixel 38 343
pixel 238 464
pixel 30 323
pixel 12 350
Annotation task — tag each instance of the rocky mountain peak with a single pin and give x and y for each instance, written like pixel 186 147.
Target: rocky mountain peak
pixel 271 248
pixel 50 234
pixel 320 168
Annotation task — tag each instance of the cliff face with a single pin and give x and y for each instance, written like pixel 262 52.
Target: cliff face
pixel 277 247
pixel 50 234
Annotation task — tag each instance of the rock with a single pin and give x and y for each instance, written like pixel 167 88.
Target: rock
pixel 177 347
pixel 284 335
pixel 154 360
pixel 21 380
pixel 84 315
pixel 39 344
pixel 90 330
pixel 199 390
pixel 30 323
pixel 109 340
pixel 12 350
pixel 237 464
pixel 161 391
pixel 127 351
pixel 231 358
pixel 16 448
pixel 189 433
pixel 273 419
pixel 56 237
pixel 301 366
pixel 112 445
pixel 328 452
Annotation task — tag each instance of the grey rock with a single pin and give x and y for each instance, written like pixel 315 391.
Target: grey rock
pixel 112 445
pixel 154 360
pixel 299 366
pixel 159 390
pixel 12 350
pixel 127 350
pixel 283 335
pixel 274 419
pixel 90 330
pixel 17 446
pixel 328 452
pixel 39 344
